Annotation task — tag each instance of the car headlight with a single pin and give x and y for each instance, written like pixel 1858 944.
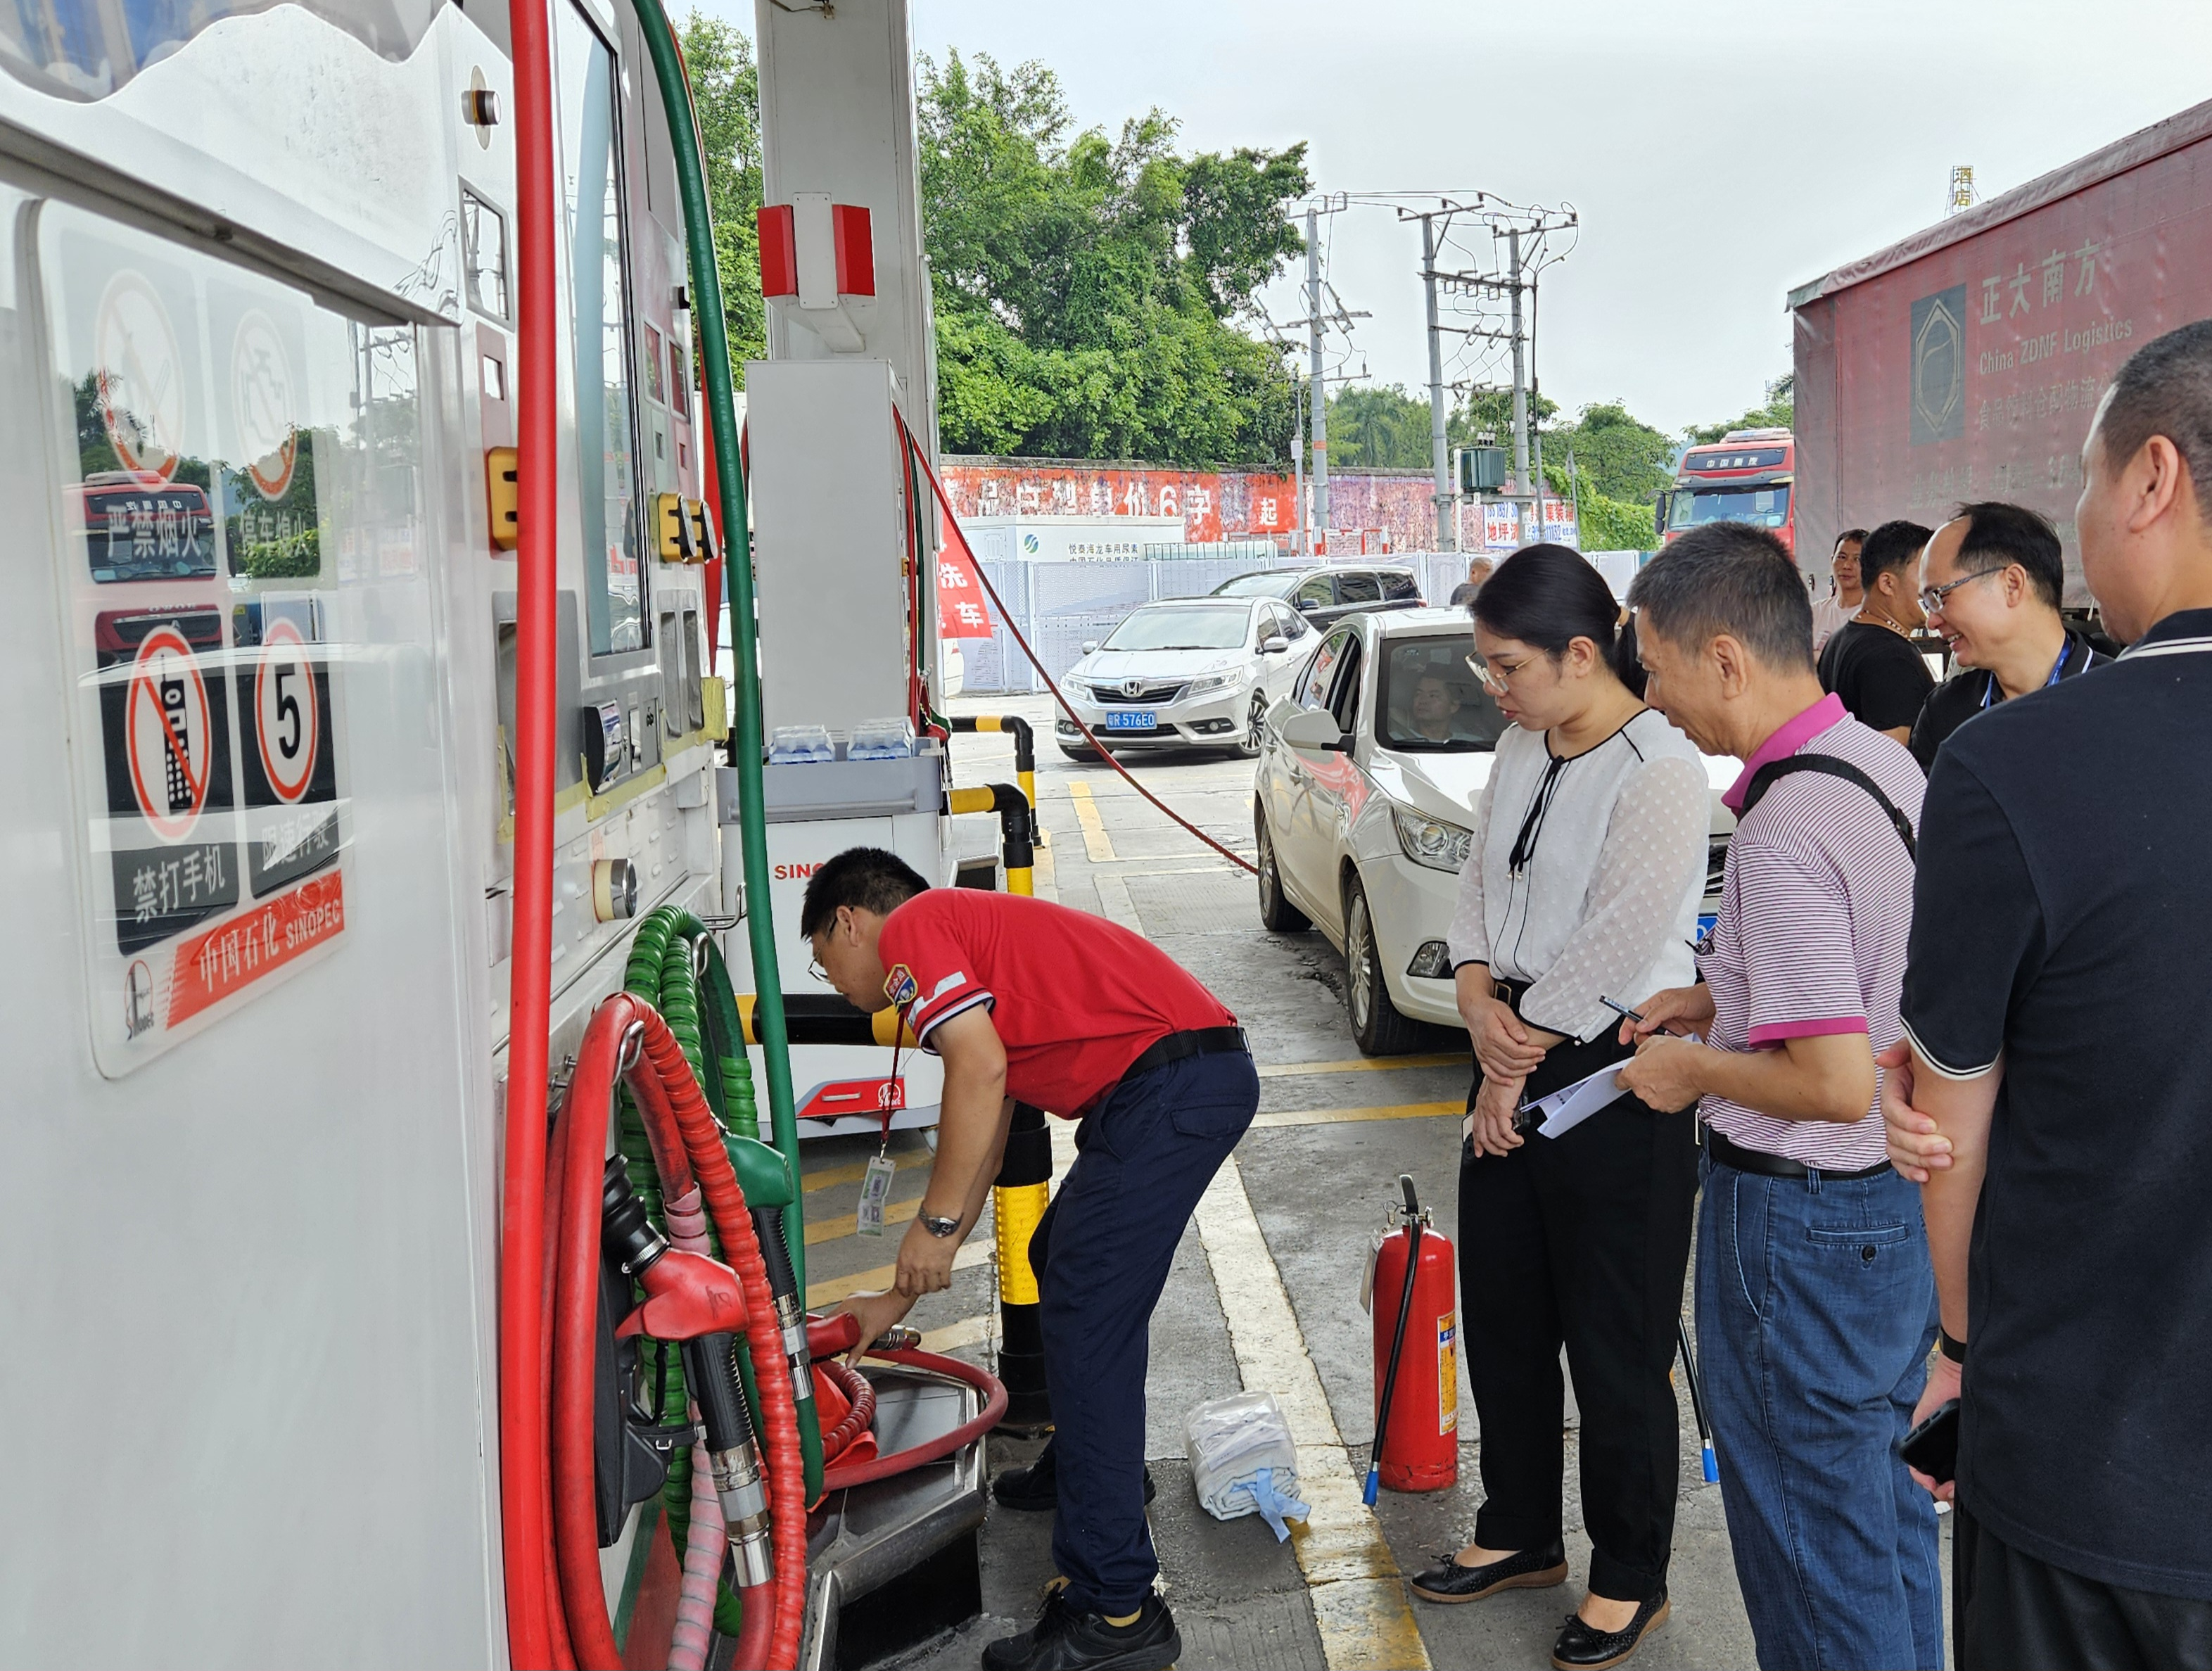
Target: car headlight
pixel 1075 686
pixel 1212 683
pixel 1431 842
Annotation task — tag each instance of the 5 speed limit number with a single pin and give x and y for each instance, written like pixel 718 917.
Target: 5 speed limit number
pixel 287 714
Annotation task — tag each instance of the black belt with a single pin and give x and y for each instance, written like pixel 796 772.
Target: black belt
pixel 1720 1150
pixel 1204 1041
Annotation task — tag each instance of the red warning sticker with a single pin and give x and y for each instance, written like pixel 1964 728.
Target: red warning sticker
pixel 169 733
pixel 211 966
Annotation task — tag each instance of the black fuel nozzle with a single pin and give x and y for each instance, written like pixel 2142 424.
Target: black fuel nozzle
pixel 710 1365
pixel 625 1235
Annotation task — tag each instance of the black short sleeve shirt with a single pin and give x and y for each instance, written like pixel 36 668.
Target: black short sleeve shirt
pixel 2063 922
pixel 1968 692
pixel 1878 674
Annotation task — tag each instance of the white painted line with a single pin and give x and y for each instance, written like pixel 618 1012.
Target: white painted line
pixel 1115 904
pixel 1359 1602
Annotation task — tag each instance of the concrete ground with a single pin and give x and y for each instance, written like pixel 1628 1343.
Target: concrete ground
pixel 1265 1289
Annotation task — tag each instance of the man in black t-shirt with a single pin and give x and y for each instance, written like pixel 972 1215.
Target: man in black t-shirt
pixel 1991 581
pixel 2054 1089
pixel 1870 661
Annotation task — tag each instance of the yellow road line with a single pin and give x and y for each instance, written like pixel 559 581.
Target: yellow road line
pixel 1098 846
pixel 967 1332
pixel 1359 1602
pixel 1267 1122
pixel 1364 1065
pixel 830 1290
pixel 830 1176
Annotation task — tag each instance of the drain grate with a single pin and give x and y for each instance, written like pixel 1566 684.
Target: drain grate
pixel 1226 902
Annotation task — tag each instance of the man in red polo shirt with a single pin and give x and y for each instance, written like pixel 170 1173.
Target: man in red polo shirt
pixel 1028 1001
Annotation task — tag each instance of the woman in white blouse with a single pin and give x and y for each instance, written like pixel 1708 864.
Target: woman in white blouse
pixel 1583 884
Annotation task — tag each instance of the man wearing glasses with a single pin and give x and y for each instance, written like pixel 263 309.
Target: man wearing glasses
pixel 1992 587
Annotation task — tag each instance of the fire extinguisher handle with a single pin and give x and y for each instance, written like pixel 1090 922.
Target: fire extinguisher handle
pixel 1413 1201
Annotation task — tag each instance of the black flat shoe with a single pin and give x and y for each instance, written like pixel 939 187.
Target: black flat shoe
pixel 1529 1569
pixel 1064 1639
pixel 1035 1489
pixel 1583 1647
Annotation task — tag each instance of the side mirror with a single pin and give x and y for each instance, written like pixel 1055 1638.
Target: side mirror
pixel 1274 645
pixel 1315 731
pixel 1307 605
pixel 1089 645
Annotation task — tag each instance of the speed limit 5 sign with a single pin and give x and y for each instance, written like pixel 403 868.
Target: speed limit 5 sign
pixel 285 750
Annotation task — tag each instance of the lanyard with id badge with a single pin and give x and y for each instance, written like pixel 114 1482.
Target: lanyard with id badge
pixel 876 1180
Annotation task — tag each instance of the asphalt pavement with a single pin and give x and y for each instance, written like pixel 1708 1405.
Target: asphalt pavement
pixel 1265 1289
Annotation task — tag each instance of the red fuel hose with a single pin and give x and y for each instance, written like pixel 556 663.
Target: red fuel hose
pixel 861 1393
pixel 662 1084
pixel 522 1437
pixel 882 1468
pixel 669 1098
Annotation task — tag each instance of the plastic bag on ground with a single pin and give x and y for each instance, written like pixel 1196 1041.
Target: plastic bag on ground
pixel 1242 1460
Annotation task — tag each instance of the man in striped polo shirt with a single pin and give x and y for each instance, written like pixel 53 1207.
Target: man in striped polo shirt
pixel 1816 1298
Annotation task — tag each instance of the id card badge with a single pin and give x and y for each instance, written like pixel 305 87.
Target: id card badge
pixel 875 1190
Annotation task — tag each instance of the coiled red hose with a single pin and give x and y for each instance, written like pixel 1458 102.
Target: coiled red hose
pixel 662 1085
pixel 882 1468
pixel 861 1393
pixel 669 1098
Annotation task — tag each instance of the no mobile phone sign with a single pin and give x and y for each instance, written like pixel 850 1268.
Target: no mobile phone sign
pixel 169 733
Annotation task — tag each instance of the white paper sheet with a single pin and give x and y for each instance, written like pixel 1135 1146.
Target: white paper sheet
pixel 1569 1105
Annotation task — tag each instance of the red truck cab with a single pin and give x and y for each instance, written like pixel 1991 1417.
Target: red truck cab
pixel 1744 476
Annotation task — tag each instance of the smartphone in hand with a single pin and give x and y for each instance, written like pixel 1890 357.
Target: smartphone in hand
pixel 1933 1446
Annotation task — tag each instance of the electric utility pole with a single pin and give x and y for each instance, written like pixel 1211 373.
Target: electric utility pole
pixel 1520 387
pixel 1298 462
pixel 1317 385
pixel 1439 450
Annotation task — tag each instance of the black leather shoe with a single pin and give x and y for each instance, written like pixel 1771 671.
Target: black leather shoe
pixel 1035 1489
pixel 1064 1639
pixel 1583 1647
pixel 1530 1569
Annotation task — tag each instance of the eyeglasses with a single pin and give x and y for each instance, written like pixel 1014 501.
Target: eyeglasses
pixel 814 968
pixel 1932 597
pixel 1497 675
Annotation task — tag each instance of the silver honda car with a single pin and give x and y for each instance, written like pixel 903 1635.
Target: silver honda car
pixel 1193 671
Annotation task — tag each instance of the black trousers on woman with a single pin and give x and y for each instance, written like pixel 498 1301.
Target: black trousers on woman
pixel 1580 1241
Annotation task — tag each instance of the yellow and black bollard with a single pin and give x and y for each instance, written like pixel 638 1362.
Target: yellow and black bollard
pixel 1016 821
pixel 1017 1202
pixel 1024 745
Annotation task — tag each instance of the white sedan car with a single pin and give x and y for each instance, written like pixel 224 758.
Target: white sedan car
pixel 1189 670
pixel 1363 807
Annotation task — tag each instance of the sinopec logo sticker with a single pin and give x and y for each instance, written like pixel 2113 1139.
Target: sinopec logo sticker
pixel 1939 366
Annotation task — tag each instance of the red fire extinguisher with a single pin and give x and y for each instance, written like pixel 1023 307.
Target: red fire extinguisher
pixel 1413 1297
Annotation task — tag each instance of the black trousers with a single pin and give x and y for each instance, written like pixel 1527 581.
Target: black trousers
pixel 2011 1612
pixel 1581 1241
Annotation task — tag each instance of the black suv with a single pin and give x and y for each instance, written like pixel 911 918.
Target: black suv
pixel 1328 593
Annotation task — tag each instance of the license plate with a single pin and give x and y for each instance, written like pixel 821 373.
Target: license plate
pixel 1132 719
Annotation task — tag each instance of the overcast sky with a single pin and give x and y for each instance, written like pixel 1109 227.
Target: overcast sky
pixel 1718 154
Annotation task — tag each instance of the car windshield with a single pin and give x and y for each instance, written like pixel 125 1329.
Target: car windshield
pixel 1182 629
pixel 1763 507
pixel 1432 702
pixel 1253 585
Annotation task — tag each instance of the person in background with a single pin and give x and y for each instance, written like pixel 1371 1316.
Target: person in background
pixel 1870 662
pixel 1991 581
pixel 1814 1300
pixel 1435 707
pixel 1830 612
pixel 1582 880
pixel 1478 569
pixel 2050 1091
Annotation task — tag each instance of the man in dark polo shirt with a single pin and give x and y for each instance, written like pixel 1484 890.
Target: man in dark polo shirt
pixel 2054 1091
pixel 1027 1001
pixel 1991 581
pixel 1870 661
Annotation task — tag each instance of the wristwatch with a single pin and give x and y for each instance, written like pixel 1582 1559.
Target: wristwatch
pixel 937 1226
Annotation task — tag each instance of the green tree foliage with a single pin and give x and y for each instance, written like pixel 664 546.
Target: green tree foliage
pixel 725 92
pixel 1378 428
pixel 1085 286
pixel 1614 453
pixel 1780 412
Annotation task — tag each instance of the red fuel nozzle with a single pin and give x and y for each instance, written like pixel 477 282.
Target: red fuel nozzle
pixel 686 1294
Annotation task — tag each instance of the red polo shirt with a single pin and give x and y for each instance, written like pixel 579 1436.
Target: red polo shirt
pixel 1075 997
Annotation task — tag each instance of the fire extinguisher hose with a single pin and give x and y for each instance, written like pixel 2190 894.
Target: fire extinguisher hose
pixel 1397 1340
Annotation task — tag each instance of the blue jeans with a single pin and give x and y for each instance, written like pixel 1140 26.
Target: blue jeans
pixel 1816 1310
pixel 1102 1252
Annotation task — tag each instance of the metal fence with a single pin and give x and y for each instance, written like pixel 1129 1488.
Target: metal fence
pixel 1059 606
